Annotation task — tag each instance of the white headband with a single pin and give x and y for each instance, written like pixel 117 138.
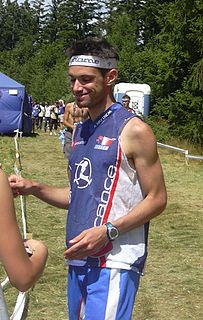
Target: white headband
pixel 92 61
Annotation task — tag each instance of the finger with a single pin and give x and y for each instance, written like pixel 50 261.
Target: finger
pixel 76 239
pixel 72 252
pixel 12 178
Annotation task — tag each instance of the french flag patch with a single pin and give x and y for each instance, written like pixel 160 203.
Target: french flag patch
pixel 103 143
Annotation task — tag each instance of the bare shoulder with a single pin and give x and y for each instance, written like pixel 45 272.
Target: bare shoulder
pixel 138 129
pixel 69 105
pixel 137 138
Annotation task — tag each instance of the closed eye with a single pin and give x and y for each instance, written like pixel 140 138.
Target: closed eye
pixel 82 79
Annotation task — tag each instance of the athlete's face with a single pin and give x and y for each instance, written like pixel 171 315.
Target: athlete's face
pixel 89 86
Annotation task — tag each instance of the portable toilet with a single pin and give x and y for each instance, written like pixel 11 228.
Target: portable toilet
pixel 139 96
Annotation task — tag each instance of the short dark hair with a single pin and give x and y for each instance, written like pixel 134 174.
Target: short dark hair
pixel 93 46
pixel 125 97
pixel 99 47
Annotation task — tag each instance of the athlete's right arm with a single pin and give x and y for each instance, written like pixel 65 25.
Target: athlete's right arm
pixel 55 196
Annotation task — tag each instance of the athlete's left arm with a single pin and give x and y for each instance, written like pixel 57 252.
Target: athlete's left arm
pixel 139 144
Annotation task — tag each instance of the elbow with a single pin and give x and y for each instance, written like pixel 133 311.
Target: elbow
pixel 26 274
pixel 158 203
pixel 23 284
pixel 162 202
pixel 23 281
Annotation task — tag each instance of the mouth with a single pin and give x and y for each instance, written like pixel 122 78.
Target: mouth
pixel 80 97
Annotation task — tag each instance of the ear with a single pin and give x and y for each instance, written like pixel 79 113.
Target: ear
pixel 111 77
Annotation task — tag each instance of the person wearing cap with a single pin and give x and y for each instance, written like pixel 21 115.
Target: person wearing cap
pixel 116 188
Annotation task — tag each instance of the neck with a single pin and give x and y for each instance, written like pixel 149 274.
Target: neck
pixel 100 108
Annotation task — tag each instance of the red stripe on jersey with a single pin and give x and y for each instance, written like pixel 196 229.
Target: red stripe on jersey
pixel 113 189
pixel 110 200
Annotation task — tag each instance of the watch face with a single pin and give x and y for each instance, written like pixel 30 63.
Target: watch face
pixel 113 233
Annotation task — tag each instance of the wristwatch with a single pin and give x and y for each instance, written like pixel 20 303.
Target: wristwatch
pixel 111 231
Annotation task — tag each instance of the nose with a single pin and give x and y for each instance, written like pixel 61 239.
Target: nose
pixel 76 86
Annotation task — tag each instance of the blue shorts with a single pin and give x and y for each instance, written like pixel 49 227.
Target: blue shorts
pixel 101 293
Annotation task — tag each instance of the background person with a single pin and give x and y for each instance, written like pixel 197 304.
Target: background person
pixel 61 107
pixel 117 187
pixel 126 103
pixel 47 114
pixel 72 116
pixel 41 116
pixel 35 113
pixel 54 119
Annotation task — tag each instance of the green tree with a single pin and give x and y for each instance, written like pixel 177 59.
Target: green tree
pixel 40 11
pixel 9 25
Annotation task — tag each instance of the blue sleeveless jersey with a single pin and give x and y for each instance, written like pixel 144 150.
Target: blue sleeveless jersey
pixel 103 188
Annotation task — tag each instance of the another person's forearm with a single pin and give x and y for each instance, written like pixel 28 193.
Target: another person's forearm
pixel 28 271
pixel 38 260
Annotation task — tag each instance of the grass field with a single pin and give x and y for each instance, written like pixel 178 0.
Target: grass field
pixel 172 287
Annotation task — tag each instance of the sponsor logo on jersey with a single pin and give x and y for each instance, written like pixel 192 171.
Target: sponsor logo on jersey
pixel 103 143
pixel 101 209
pixel 83 173
pixel 76 143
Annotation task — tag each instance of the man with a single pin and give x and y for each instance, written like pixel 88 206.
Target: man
pixel 47 115
pixel 117 186
pixel 41 116
pixel 126 102
pixel 54 119
pixel 72 116
pixel 61 113
pixel 35 115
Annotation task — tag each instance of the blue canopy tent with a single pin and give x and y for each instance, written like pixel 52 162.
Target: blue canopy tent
pixel 15 107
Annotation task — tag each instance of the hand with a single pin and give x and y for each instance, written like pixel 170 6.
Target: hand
pixel 19 185
pixel 27 248
pixel 90 242
pixel 32 246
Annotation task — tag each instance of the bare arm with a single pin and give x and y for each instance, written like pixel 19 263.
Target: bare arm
pixel 139 144
pixel 67 117
pixel 57 197
pixel 22 271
